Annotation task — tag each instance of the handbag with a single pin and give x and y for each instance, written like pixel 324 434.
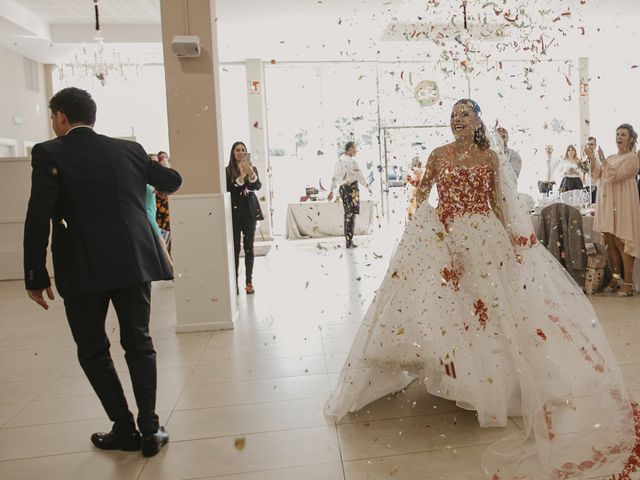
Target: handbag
pixel 254 206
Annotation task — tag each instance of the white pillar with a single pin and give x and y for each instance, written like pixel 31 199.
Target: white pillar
pixel 203 253
pixel 259 142
pixel 585 119
pixel 202 242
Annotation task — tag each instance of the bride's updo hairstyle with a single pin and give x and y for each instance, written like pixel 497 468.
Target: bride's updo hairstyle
pixel 480 134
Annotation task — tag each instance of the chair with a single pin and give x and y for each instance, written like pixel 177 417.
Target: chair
pixel 526 201
pixel 560 231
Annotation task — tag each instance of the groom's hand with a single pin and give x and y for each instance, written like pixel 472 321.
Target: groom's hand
pixel 36 296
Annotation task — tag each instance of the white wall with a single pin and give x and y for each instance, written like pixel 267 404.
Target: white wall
pixel 129 106
pixel 613 99
pixel 14 196
pixel 24 118
pixel 19 104
pixel 234 107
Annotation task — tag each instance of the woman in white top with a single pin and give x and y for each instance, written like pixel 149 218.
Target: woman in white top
pixel 570 171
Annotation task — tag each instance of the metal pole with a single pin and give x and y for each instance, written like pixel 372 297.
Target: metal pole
pixel 583 107
pixel 379 142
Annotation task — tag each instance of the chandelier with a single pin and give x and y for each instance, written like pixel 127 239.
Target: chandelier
pixel 96 62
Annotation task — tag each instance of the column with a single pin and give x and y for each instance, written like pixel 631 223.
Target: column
pixel 259 142
pixel 585 119
pixel 202 240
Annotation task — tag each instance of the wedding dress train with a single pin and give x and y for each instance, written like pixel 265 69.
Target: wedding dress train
pixel 483 315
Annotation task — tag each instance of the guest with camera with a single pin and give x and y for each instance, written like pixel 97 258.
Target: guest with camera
pixel 242 183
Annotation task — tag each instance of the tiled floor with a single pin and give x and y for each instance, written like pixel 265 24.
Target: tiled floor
pixel 265 382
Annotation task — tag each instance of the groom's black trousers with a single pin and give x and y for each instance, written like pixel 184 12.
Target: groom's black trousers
pixel 86 315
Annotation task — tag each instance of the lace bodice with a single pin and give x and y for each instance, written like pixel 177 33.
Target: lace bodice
pixel 463 190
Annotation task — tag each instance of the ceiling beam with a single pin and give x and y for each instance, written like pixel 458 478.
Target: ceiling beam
pixel 112 33
pixel 18 20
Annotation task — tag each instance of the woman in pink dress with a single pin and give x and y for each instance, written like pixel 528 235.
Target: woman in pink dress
pixel 618 207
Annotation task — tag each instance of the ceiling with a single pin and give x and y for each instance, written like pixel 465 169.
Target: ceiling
pixel 346 30
pixel 58 12
pixel 73 12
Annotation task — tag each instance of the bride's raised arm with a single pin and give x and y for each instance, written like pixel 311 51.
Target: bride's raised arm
pixel 426 183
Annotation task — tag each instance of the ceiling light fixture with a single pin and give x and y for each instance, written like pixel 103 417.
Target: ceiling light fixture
pixel 95 62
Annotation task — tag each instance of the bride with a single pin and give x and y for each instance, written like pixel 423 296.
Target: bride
pixel 475 309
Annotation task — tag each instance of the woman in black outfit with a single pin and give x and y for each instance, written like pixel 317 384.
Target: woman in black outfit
pixel 242 181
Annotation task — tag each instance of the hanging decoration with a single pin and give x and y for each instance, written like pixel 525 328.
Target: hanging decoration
pixel 427 93
pixel 96 62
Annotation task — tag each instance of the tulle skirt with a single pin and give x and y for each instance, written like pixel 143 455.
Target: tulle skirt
pixel 502 331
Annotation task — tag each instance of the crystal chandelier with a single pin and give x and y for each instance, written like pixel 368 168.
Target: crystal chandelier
pixel 96 62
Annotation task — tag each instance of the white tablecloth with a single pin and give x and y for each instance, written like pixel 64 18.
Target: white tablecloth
pixel 325 219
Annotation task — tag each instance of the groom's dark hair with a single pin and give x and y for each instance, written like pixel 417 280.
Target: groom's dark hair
pixel 480 133
pixel 76 104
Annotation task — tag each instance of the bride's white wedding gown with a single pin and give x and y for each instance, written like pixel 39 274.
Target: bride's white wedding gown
pixel 488 318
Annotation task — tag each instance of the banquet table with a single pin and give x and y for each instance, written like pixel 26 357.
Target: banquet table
pixel 325 219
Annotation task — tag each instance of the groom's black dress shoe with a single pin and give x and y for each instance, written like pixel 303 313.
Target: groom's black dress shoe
pixel 127 441
pixel 151 444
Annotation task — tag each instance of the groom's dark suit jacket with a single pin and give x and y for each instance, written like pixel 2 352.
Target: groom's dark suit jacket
pixel 92 189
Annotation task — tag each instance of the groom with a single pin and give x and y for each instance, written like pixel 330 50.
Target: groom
pixel 92 188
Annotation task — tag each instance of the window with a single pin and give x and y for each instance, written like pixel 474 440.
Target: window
pixel 8 147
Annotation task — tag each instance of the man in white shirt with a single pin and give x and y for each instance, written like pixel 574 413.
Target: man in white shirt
pixel 347 175
pixel 512 155
pixel 546 185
